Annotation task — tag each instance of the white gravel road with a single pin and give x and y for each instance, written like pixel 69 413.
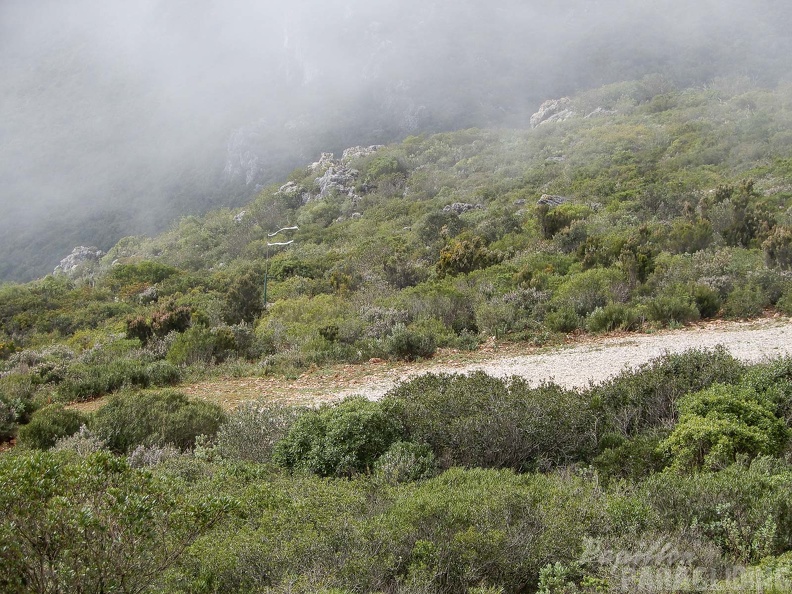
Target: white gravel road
pixel 579 365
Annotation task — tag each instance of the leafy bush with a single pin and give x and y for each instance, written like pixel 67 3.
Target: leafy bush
pixel 93 524
pixel 253 429
pixel 745 301
pixel 614 316
pixel 478 420
pixel 341 440
pixel 48 425
pixel 778 248
pixel 720 423
pixel 406 461
pixel 645 398
pixel 408 344
pixel 200 344
pixel 563 320
pixel 155 418
pixel 707 300
pixel 674 307
pixel 84 381
pixel 466 255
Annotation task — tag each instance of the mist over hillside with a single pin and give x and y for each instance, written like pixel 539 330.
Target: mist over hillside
pixel 116 118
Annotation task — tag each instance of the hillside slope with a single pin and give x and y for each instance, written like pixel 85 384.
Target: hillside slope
pixel 635 206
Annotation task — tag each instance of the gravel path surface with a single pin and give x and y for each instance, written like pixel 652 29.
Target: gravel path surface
pixel 585 360
pixel 594 361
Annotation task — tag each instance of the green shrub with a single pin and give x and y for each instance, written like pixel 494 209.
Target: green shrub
pixel 672 308
pixel 586 291
pixel 85 381
pixel 155 418
pixel 478 420
pixel 742 509
pixel 778 248
pixel 745 301
pixel 563 320
pixel 197 345
pixel 406 461
pixel 614 316
pixel 405 343
pixel 720 423
pixel 466 255
pixel 93 524
pixel 645 398
pixel 17 393
pixel 707 300
pixel 341 440
pixel 552 220
pixel 634 458
pixel 253 429
pixel 49 424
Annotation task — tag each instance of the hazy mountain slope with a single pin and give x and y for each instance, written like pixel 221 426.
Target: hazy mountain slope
pixel 119 117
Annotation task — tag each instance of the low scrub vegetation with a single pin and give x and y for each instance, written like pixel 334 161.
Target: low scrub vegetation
pixel 677 469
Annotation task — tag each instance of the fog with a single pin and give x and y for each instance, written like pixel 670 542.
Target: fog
pixel 118 117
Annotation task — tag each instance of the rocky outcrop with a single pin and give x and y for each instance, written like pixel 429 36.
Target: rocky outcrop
pixel 337 177
pixel 551 200
pixel 326 160
pixel 356 152
pixel 461 207
pixel 339 180
pixel 553 110
pixel 76 261
pixel 601 111
pixel 292 190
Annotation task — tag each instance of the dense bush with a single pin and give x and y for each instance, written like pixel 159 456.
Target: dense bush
pixel 130 419
pixel 645 398
pixel 84 381
pixel 723 422
pixel 482 421
pixel 47 425
pixel 341 440
pixel 92 524
pixel 251 431
pixel 409 344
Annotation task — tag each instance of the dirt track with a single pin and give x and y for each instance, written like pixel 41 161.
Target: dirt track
pixel 590 359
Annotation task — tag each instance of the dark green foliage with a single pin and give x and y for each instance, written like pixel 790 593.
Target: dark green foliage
pixel 84 381
pixel 614 316
pixel 251 431
pixel 155 418
pixel 200 344
pixel 93 524
pixel 553 219
pixel 778 248
pixel 49 424
pixel 341 440
pixel 645 398
pixel 634 459
pixel 563 320
pixel 707 300
pixel 687 237
pixel 17 393
pixel 745 301
pixel 244 298
pixel 169 318
pixel 743 510
pixel 482 421
pixel 465 255
pixel 675 307
pixel 406 461
pixel 721 423
pixel 408 344
pixel 141 273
